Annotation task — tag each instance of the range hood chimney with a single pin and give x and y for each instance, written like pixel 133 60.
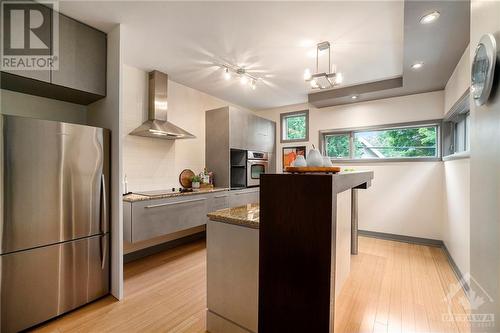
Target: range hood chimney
pixel 157 125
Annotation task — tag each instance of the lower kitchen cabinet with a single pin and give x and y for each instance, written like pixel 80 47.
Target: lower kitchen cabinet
pixel 243 197
pixel 143 220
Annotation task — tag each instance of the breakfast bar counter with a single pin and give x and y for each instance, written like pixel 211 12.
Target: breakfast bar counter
pixel 279 266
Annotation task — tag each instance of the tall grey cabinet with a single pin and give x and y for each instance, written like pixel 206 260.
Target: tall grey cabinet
pixel 232 128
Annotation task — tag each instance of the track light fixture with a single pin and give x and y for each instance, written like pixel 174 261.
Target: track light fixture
pixel 241 73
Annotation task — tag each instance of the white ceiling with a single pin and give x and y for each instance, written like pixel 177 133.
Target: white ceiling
pixel 184 39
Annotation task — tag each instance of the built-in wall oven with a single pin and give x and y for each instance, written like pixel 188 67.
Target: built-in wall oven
pixel 257 164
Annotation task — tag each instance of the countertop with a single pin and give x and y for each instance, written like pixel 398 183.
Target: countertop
pixel 246 216
pixel 139 197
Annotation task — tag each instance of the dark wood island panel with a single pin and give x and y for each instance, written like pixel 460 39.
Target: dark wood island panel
pixel 297 249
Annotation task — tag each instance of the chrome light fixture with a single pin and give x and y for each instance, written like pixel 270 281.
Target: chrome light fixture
pixel 327 79
pixel 241 73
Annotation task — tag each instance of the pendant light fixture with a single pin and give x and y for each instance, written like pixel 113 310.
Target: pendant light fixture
pixel 327 79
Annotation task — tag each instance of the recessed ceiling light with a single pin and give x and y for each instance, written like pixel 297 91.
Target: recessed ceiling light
pixel 429 18
pixel 354 97
pixel 417 65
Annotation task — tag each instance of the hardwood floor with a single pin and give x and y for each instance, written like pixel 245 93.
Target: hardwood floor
pixel 393 287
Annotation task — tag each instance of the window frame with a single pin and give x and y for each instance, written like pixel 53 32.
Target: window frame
pixel 458 112
pixel 283 117
pixel 351 131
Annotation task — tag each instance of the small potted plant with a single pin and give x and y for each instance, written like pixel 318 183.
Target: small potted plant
pixel 195 182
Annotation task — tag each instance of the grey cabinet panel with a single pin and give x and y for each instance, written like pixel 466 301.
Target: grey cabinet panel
pixel 127 222
pixel 155 218
pixel 219 201
pixel 217 145
pixel 82 57
pixel 238 129
pixel 243 197
pixel 233 275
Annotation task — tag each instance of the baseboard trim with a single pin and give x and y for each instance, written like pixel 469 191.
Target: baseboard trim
pixel 421 241
pixel 402 238
pixel 456 270
pixel 162 247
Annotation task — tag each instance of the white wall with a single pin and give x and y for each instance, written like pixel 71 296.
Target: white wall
pixel 150 163
pixel 456 221
pixel 107 113
pixel 485 178
pixel 405 198
pixel 18 104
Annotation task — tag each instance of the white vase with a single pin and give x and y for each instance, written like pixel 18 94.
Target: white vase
pixel 300 161
pixel 195 184
pixel 314 158
pixel 327 162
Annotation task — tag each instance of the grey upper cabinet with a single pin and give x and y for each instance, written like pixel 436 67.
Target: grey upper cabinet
pixel 250 132
pixel 238 128
pixel 40 75
pixel 81 75
pixel 82 57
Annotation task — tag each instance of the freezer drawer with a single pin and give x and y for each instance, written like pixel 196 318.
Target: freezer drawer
pixel 53 182
pixel 41 283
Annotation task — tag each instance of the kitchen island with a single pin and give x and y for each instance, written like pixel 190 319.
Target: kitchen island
pixel 278 266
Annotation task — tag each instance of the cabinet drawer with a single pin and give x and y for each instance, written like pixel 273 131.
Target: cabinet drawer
pixel 243 198
pixel 161 217
pixel 219 201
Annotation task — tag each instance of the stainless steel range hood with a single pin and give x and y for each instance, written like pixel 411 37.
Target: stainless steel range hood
pixel 157 125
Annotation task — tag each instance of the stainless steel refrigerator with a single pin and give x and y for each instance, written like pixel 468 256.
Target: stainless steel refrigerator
pixel 54 230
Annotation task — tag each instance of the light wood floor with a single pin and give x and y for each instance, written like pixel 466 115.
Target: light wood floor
pixel 393 287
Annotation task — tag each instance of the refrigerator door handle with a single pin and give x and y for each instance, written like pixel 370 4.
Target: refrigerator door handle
pixel 104 249
pixel 104 215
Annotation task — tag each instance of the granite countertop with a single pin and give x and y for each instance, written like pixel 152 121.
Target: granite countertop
pixel 133 197
pixel 246 216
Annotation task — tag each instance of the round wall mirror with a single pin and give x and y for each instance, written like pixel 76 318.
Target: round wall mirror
pixel 483 69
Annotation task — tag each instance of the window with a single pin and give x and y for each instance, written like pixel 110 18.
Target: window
pixel 408 141
pixel 337 145
pixel 456 129
pixel 295 126
pixel 461 134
